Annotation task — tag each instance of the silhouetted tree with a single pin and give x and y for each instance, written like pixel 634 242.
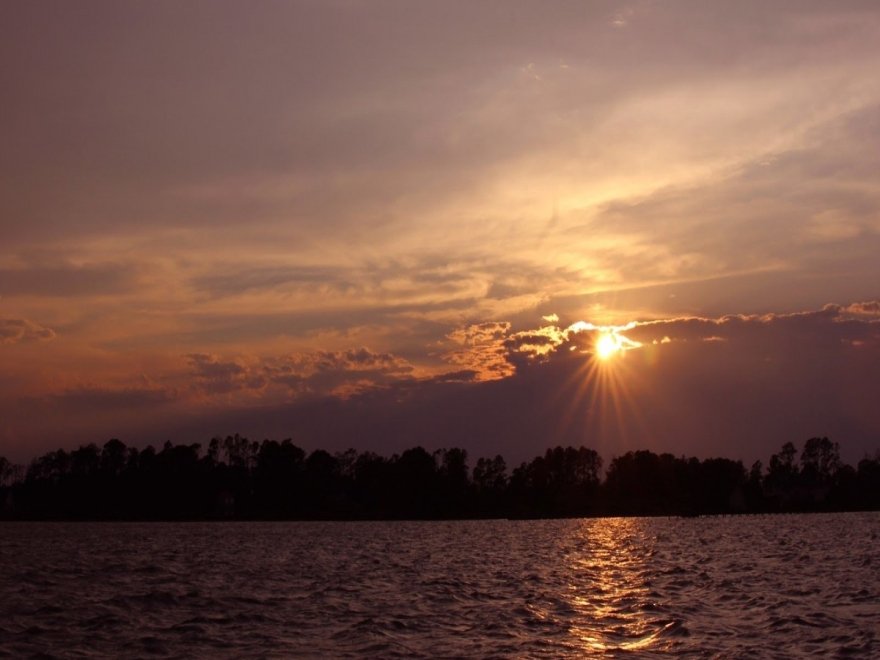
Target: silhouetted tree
pixel 372 487
pixel 755 488
pixel 239 452
pixel 562 482
pixel 722 487
pixel 414 483
pixel 781 482
pixel 320 481
pixel 113 458
pixel 644 483
pixel 237 478
pixel 6 478
pixel 5 471
pixel 868 483
pixel 278 479
pixel 820 460
pixel 453 479
pixel 490 485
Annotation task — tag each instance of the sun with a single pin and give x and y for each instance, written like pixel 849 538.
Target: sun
pixel 607 345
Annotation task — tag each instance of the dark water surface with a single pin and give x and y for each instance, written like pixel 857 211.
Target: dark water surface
pixel 768 586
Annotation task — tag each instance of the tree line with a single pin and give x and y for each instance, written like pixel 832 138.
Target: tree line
pixel 234 478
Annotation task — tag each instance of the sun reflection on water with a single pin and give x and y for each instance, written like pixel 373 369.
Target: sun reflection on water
pixel 610 590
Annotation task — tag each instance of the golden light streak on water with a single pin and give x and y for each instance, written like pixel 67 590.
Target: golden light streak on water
pixel 610 591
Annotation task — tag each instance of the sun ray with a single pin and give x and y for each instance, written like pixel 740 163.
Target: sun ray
pixel 602 393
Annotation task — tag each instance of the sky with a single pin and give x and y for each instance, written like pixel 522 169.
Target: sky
pixel 384 224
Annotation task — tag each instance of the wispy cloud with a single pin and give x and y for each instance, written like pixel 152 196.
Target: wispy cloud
pixel 430 181
pixel 13 331
pixel 91 399
pixel 67 280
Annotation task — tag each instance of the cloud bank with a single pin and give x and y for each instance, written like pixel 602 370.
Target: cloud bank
pixel 737 385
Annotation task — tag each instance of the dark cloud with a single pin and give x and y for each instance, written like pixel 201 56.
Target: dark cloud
pixel 772 379
pixel 88 400
pixel 13 331
pixel 734 386
pixel 68 280
pixel 787 333
pixel 215 376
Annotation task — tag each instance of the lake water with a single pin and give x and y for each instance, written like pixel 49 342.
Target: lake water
pixel 771 586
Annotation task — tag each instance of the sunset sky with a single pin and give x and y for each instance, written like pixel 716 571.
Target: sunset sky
pixel 384 224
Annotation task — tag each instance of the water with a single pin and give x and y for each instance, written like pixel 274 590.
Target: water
pixel 768 586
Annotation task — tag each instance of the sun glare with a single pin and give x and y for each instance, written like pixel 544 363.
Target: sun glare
pixel 603 389
pixel 607 345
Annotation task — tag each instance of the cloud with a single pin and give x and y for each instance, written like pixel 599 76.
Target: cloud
pixel 688 393
pixel 68 280
pixel 13 331
pixel 91 399
pixel 223 283
pixel 339 373
pixel 536 342
pixel 832 324
pixel 869 309
pixel 479 334
pixel 215 376
pixel 734 385
pixel 322 373
pixel 809 207
pixel 278 184
pixel 480 349
pixel 620 159
pixel 313 144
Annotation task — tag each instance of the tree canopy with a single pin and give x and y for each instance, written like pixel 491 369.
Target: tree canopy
pixel 235 478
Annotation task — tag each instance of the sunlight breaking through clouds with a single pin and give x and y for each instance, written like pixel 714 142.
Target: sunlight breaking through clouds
pixel 478 193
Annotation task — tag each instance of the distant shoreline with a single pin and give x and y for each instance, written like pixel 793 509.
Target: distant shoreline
pixel 221 521
pixel 238 480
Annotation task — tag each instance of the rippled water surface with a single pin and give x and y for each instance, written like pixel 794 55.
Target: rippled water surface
pixel 771 586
